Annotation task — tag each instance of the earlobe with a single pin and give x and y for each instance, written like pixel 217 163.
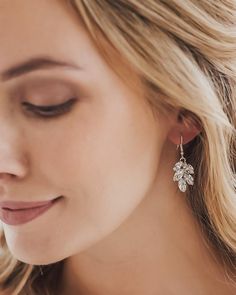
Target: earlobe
pixel 188 135
pixel 188 128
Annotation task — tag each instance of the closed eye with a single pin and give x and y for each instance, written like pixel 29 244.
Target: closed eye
pixel 50 110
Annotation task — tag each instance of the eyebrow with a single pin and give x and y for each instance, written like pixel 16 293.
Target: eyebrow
pixel 33 64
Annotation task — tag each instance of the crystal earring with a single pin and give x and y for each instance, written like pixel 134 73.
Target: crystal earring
pixel 183 170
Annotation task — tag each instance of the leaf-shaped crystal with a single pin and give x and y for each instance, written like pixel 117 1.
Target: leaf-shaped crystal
pixel 185 166
pixel 179 174
pixel 182 185
pixel 190 169
pixel 178 166
pixel 189 179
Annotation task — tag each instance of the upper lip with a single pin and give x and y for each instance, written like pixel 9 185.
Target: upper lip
pixel 23 205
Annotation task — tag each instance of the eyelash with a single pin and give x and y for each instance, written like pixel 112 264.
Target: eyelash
pixel 50 110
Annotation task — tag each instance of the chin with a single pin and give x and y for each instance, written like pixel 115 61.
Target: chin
pixel 38 261
pixel 41 258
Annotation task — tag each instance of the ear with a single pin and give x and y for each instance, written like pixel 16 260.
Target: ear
pixel 185 124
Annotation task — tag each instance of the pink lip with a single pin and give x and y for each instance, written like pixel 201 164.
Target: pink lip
pixel 15 213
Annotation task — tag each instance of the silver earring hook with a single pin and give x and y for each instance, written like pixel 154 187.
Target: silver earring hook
pixel 180 145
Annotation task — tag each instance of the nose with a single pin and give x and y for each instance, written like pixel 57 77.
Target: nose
pixel 12 160
pixel 11 168
pixel 11 171
pixel 15 172
pixel 12 157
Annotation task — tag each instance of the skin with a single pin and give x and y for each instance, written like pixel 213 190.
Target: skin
pixel 122 226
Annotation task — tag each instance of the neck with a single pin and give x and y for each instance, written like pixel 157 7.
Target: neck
pixel 159 249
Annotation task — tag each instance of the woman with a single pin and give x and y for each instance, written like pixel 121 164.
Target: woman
pixel 118 145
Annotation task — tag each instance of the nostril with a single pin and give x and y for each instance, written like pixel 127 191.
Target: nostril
pixel 6 175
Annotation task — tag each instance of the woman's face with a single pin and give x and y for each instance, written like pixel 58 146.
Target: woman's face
pixel 101 154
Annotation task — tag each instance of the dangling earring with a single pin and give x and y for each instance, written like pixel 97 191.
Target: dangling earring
pixel 183 170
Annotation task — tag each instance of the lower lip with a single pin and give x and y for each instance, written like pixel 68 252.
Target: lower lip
pixel 21 216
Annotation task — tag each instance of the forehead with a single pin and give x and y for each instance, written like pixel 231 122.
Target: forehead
pixel 37 27
pixel 32 28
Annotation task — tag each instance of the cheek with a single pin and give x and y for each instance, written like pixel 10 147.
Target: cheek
pixel 104 166
pixel 108 166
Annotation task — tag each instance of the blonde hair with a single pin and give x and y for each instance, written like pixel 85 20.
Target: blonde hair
pixel 185 55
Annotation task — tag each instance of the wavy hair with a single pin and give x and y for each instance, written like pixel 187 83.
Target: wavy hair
pixel 185 55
